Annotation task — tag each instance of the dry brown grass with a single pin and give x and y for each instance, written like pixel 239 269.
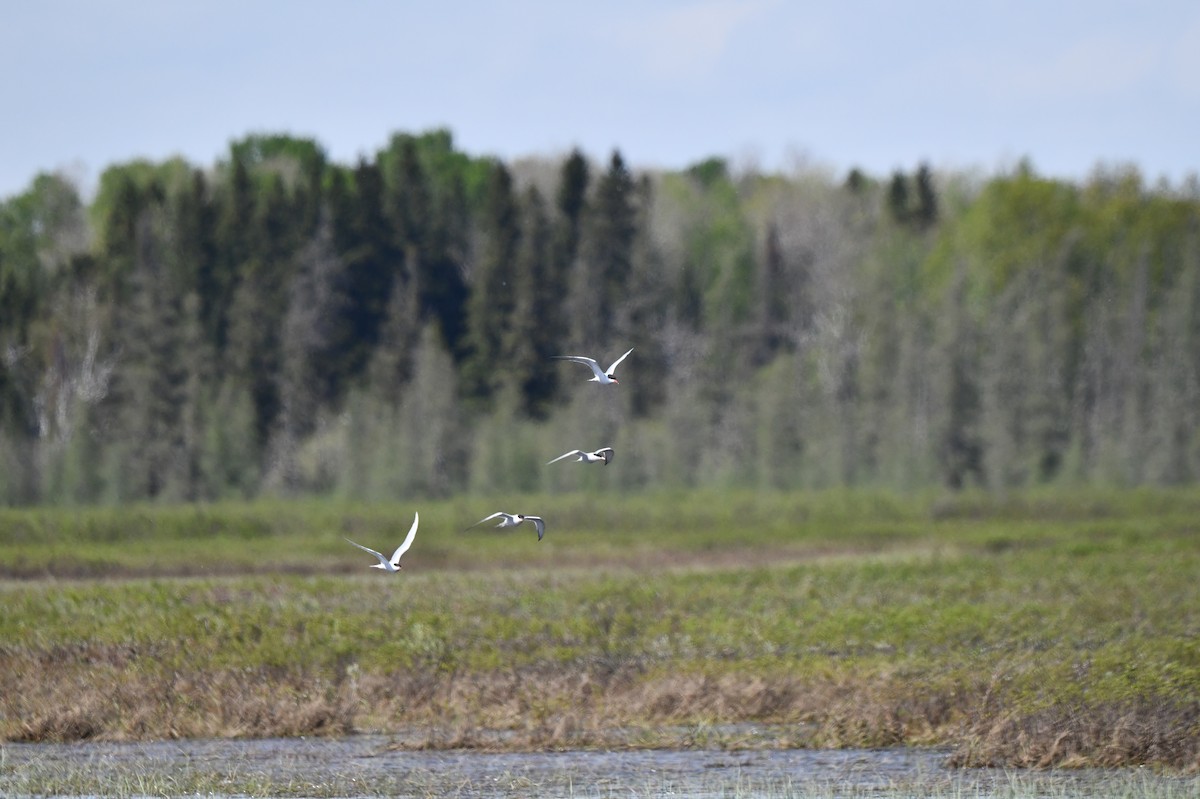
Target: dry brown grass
pixel 82 700
pixel 1108 735
pixel 94 695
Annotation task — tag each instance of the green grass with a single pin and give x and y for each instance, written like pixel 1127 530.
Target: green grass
pixel 999 627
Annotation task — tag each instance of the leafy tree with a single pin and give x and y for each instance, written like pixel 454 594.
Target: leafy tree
pixel 442 271
pixel 23 282
pixel 493 290
pixel 308 356
pixel 925 213
pixel 571 201
pixel 433 423
pixel 646 300
pixel 143 409
pixel 295 158
pixel 555 280
pixel 234 248
pixel 148 179
pixel 605 257
pixel 456 190
pixel 194 332
pixel 229 449
pixel 193 233
pixel 42 233
pixel 412 444
pixel 406 197
pixel 772 311
pixel 419 285
pixel 530 343
pixel 709 172
pixel 392 363
pixel 856 181
pixel 897 198
pixel 960 450
pixel 120 233
pixel 256 315
pixel 370 263
pixel 300 163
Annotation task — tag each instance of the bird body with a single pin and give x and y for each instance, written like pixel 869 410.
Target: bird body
pixel 513 519
pixel 603 455
pixel 393 565
pixel 605 377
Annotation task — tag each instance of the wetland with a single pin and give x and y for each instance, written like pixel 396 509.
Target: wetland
pixel 1032 634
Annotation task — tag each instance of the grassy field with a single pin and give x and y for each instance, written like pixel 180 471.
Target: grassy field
pixel 1043 629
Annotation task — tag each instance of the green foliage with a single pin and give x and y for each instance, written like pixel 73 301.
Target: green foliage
pixel 121 184
pixel 198 333
pixel 1017 223
pixel 897 198
pixel 43 238
pixel 926 212
pixel 413 446
pixel 493 298
pixel 537 327
pixel 275 150
pixel 605 258
pixel 446 166
pixel 912 203
pixel 40 231
pixel 709 172
pixel 717 244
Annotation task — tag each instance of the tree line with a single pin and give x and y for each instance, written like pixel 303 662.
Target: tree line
pixel 280 323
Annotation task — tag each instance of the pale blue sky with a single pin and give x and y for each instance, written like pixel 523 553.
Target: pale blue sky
pixel 879 85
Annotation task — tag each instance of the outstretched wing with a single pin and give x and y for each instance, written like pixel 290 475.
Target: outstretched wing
pixel 487 518
pixel 408 540
pixel 589 362
pixel 606 453
pixel 382 559
pixel 567 455
pixel 539 524
pixel 617 362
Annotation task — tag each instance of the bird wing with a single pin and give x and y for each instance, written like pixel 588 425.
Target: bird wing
pixel 606 453
pixel 539 524
pixel 613 368
pixel 590 362
pixel 488 518
pixel 408 540
pixel 382 559
pixel 566 455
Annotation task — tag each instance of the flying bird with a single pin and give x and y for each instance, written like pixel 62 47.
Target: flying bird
pixel 513 519
pixel 393 565
pixel 603 455
pixel 603 378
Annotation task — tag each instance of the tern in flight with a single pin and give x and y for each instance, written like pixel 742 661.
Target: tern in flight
pixel 393 565
pixel 602 455
pixel 513 519
pixel 603 378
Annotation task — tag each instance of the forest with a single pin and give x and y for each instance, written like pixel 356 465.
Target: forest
pixel 278 324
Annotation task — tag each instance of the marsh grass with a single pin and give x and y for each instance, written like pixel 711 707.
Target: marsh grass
pixel 1031 632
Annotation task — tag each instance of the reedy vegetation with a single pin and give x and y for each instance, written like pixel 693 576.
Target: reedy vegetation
pixel 1044 630
pixel 277 323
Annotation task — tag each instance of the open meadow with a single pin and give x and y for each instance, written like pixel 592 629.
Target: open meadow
pixel 1037 630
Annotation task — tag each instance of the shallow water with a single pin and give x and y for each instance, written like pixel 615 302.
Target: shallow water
pixel 375 766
